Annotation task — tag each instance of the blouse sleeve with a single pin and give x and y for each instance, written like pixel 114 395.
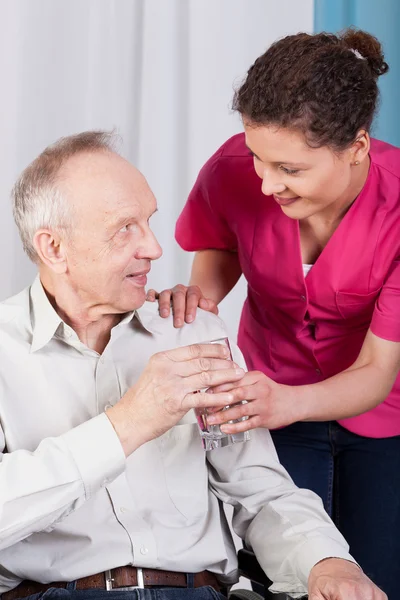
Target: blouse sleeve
pixel 202 225
pixel 386 317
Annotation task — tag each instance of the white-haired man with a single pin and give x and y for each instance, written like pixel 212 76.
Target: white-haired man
pixel 104 484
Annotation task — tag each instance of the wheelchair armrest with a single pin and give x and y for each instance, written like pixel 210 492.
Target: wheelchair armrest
pixel 250 568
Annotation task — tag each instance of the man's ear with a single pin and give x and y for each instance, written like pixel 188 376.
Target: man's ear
pixel 51 250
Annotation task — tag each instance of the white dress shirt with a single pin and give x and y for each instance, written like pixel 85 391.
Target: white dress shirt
pixel 71 505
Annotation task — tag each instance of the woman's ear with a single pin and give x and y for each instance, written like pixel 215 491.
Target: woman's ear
pixel 360 148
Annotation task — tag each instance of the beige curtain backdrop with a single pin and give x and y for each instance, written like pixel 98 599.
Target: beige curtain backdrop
pixel 159 71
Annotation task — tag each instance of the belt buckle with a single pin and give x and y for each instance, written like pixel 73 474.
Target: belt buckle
pixel 110 579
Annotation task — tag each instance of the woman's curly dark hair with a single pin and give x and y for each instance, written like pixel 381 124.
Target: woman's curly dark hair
pixel 324 85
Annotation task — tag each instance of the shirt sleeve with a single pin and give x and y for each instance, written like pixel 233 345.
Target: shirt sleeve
pixel 287 527
pixel 41 488
pixel 202 225
pixel 386 317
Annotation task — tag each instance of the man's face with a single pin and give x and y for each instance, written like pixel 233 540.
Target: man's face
pixel 110 249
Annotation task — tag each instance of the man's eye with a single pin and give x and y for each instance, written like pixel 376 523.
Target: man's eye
pixel 289 171
pixel 124 229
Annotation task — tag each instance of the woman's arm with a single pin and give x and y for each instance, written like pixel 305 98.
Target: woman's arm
pixel 214 274
pixel 358 389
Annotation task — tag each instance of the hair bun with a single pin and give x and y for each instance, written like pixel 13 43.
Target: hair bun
pixel 368 46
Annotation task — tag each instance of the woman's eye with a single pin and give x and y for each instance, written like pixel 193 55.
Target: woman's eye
pixel 289 171
pixel 124 229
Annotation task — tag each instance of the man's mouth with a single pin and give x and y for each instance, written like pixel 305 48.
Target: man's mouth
pixel 139 278
pixel 285 201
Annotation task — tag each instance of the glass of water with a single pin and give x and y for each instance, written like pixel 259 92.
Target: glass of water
pixel 211 435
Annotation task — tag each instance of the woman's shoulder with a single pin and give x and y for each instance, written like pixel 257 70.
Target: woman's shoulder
pixel 231 165
pixel 386 157
pixel 234 151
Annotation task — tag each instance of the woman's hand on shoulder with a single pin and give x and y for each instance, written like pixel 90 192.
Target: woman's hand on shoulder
pixel 184 301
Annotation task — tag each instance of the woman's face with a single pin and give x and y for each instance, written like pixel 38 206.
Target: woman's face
pixel 303 180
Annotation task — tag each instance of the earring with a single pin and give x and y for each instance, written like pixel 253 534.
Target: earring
pixel 356 162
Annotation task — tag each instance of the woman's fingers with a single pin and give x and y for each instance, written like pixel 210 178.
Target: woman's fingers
pixel 250 423
pixel 151 295
pixel 236 411
pixel 193 298
pixel 184 301
pixel 164 303
pixel 179 298
pixel 209 305
pixel 250 378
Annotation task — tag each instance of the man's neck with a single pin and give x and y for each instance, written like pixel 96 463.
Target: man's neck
pixel 92 326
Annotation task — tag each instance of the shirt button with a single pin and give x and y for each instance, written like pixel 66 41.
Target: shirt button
pixel 144 550
pixel 303 298
pixel 105 482
pixel 318 371
pixel 123 509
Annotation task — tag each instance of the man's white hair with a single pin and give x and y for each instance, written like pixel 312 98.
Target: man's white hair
pixel 37 200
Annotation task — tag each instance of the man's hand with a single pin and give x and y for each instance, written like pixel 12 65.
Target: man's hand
pixel 184 300
pixel 269 404
pixel 337 579
pixel 168 389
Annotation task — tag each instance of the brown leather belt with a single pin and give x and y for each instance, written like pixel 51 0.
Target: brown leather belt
pixel 121 577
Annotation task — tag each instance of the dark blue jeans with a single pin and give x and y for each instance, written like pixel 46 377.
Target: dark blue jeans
pixel 358 480
pixel 201 593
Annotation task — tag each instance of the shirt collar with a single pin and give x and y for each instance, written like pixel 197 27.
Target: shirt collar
pixel 45 320
pixel 149 318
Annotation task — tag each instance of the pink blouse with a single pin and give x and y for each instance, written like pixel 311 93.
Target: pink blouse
pixel 302 330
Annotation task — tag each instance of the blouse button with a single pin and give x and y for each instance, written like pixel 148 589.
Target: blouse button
pixel 303 298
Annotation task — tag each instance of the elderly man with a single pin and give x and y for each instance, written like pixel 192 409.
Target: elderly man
pixel 104 484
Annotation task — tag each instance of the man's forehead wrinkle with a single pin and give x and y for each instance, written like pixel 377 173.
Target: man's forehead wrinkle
pixel 108 188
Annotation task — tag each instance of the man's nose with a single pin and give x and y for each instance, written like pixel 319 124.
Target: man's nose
pixel 271 183
pixel 150 248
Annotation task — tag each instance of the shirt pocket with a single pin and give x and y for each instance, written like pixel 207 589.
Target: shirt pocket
pixel 185 467
pixel 357 307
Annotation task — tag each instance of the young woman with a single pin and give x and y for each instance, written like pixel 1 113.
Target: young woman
pixel 318 240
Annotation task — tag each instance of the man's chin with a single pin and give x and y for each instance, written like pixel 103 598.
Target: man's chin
pixel 132 300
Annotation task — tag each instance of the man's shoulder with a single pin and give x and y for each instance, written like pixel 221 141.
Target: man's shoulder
pixel 205 327
pixel 15 309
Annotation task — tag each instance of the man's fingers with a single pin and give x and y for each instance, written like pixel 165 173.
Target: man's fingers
pixel 226 387
pixel 204 400
pixel 206 379
pixel 164 303
pixel 196 351
pixel 198 365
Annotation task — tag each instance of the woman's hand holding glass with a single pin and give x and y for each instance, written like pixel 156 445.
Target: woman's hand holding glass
pixel 268 404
